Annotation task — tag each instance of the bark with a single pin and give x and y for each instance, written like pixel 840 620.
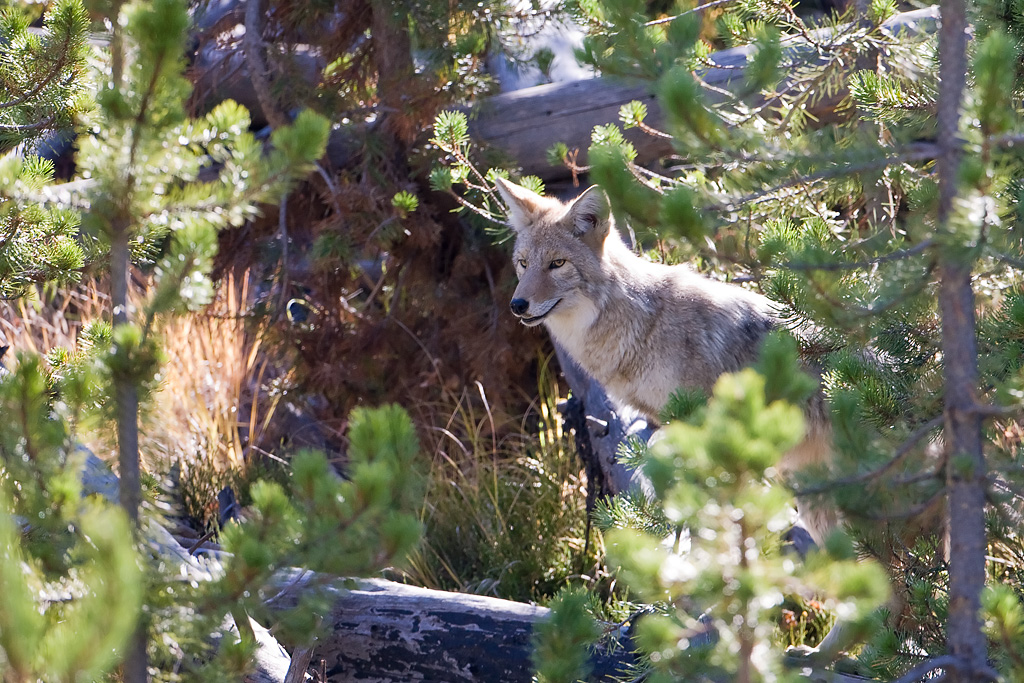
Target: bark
pixel 126 395
pixel 965 474
pixel 272 663
pixel 965 461
pixel 526 123
pixel 399 90
pixel 252 46
pixel 384 632
pixel 601 429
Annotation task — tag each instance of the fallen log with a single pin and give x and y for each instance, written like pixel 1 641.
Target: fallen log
pixel 526 123
pixel 385 632
pixel 523 123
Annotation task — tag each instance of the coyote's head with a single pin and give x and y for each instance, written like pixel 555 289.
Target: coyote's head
pixel 558 250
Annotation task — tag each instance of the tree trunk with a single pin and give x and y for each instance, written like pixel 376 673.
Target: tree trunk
pixel 397 83
pixel 965 461
pixel 126 396
pixel 965 474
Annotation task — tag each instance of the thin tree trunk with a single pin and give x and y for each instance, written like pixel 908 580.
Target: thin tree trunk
pixel 126 395
pixel 965 473
pixel 252 47
pixel 397 84
pixel 965 463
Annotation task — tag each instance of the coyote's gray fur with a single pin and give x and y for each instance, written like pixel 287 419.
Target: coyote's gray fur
pixel 641 329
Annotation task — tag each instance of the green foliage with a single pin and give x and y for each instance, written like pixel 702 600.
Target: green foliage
pixel 710 475
pixel 763 69
pixel 405 202
pixel 681 218
pixel 632 114
pixel 1002 332
pixel 342 527
pixel 1003 613
pixel 822 190
pixel 42 89
pixel 684 405
pixel 684 102
pixel 784 378
pixel 476 193
pixel 608 156
pixel 995 82
pixel 69 572
pixel 561 654
pixel 162 184
pixel 504 518
pixel 74 583
pixel 42 84
pixel 836 221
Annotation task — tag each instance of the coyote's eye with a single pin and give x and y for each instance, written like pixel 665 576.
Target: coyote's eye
pixel 557 263
pixel 522 263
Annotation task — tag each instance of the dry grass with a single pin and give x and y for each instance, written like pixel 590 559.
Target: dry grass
pixel 48 319
pixel 212 406
pixel 211 400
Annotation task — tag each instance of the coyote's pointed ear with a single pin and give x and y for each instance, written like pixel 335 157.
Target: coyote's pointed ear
pixel 588 216
pixel 522 203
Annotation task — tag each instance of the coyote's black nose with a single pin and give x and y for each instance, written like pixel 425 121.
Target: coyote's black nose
pixel 519 306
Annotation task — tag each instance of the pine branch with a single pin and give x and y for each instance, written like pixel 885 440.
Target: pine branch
pixel 24 127
pixel 854 265
pixel 905 449
pixel 908 513
pixel 695 10
pixel 922 151
pixel 64 51
pixel 871 311
pixel 927 666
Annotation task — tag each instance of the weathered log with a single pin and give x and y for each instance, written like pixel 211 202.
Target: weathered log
pixel 526 123
pixel 272 662
pixel 606 429
pixel 384 632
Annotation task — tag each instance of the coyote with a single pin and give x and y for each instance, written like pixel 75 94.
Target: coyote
pixel 641 329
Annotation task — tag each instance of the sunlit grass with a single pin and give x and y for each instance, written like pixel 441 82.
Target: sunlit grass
pixel 217 388
pixel 218 394
pixel 47 318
